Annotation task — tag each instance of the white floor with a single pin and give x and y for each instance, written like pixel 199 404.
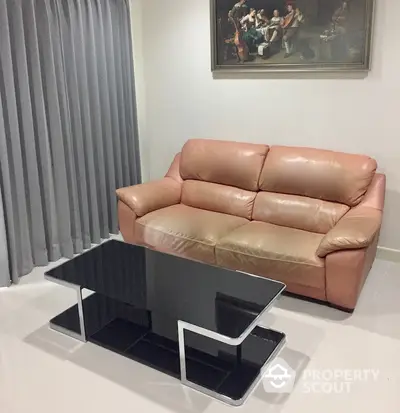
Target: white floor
pixel 43 371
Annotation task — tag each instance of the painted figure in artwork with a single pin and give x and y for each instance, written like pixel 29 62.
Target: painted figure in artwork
pixel 339 18
pixel 291 25
pixel 238 11
pixel 274 31
pixel 242 49
pixel 336 37
pixel 251 35
pixel 262 24
pixel 261 19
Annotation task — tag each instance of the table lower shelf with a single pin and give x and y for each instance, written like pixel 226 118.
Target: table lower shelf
pixel 143 337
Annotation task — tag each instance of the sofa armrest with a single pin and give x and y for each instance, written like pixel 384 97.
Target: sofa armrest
pixel 355 230
pixel 148 197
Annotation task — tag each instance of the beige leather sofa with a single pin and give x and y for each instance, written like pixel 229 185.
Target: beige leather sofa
pixel 307 217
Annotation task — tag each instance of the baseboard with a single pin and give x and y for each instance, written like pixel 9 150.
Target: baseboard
pixel 388 254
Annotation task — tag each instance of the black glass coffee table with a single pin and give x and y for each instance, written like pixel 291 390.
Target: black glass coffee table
pixel 195 322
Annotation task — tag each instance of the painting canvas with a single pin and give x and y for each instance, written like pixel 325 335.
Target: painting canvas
pixel 291 35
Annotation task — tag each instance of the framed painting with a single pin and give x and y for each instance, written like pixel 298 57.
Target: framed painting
pixel 291 35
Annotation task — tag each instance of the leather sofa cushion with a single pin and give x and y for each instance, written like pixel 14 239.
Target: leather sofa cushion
pixel 148 197
pixel 127 222
pixel 218 198
pixel 356 230
pixel 346 272
pixel 186 231
pixel 375 196
pixel 308 214
pixel 316 173
pixel 174 170
pixel 228 163
pixel 285 254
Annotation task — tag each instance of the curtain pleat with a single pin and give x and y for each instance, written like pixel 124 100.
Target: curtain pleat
pixel 120 92
pixel 4 264
pixel 69 27
pixel 130 93
pixel 68 130
pixel 105 114
pixel 14 186
pixel 41 133
pixel 113 97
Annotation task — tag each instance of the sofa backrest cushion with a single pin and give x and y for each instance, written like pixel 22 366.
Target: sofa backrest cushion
pixel 220 162
pixel 316 173
pixel 218 198
pixel 294 211
pixel 174 169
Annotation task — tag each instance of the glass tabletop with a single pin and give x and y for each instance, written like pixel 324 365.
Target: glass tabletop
pixel 174 288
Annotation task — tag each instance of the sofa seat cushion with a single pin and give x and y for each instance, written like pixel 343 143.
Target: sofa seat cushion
pixel 186 231
pixel 277 252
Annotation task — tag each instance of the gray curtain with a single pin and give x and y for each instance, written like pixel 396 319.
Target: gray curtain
pixel 4 269
pixel 68 134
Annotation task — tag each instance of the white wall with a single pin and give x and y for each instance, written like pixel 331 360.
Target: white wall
pixel 183 100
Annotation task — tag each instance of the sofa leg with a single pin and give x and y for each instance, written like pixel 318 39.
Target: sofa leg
pixel 320 302
pixel 338 307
